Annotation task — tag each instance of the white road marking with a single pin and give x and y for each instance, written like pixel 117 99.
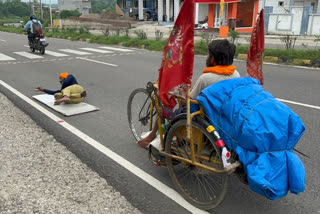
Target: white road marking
pixel 98 62
pixel 116 49
pixel 300 104
pixel 161 187
pixel 5 57
pixel 28 55
pixel 96 50
pixel 1 40
pixel 275 64
pixel 75 52
pixel 55 54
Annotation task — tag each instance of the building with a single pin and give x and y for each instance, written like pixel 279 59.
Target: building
pixel 83 6
pixel 167 10
pixel 299 17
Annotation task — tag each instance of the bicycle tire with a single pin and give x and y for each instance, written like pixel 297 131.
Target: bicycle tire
pixel 140 121
pixel 202 188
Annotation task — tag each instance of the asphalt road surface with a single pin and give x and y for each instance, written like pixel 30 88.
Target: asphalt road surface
pixel 109 77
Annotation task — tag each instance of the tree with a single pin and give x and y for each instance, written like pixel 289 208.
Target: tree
pixel 98 6
pixel 68 13
pixel 14 8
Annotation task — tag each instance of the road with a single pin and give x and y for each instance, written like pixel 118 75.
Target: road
pixel 109 78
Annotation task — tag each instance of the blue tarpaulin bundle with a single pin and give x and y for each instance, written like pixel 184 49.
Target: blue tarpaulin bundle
pixel 261 130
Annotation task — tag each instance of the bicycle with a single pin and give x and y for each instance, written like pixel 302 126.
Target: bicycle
pixel 188 147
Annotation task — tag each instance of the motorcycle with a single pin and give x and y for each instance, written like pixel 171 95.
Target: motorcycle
pixel 38 43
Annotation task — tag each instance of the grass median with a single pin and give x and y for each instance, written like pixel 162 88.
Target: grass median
pixel 297 57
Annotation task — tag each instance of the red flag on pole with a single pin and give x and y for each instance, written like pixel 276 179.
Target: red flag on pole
pixel 256 49
pixel 178 54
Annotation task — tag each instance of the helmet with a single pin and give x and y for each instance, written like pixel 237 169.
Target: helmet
pixel 33 17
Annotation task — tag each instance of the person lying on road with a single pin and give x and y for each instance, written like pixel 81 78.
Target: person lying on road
pixel 70 93
pixel 219 67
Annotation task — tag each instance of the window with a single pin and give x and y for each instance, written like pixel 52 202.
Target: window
pixel 280 3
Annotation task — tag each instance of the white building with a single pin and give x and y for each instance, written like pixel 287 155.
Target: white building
pixel 83 6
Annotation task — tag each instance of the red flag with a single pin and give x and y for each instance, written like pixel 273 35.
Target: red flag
pixel 178 54
pixel 256 49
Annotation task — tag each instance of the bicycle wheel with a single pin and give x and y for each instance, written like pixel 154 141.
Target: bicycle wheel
pixel 138 110
pixel 202 188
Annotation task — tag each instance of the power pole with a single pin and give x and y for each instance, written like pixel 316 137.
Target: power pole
pixel 41 15
pixel 50 15
pixel 32 6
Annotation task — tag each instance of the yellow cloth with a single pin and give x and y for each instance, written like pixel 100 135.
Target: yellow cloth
pixel 220 69
pixel 73 92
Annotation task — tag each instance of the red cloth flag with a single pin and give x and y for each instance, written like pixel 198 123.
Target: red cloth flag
pixel 256 49
pixel 178 54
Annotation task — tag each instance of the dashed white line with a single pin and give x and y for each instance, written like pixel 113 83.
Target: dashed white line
pixel 300 104
pixel 1 40
pixel 161 187
pixel 104 63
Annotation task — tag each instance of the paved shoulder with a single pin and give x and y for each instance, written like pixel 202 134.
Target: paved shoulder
pixel 39 175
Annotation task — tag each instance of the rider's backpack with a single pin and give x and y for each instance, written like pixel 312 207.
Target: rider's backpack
pixel 36 27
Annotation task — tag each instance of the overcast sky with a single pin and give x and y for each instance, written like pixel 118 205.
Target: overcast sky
pixel 44 1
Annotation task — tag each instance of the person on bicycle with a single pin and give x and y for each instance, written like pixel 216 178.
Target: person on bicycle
pixel 35 28
pixel 219 67
pixel 70 93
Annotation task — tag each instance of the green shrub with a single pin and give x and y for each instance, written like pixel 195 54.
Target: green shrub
pixel 200 48
pixel 141 34
pixel 289 41
pixel 234 35
pixel 64 14
pixel 159 34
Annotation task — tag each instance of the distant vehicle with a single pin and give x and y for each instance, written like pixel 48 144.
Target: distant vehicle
pixel 148 14
pixel 38 43
pixel 203 26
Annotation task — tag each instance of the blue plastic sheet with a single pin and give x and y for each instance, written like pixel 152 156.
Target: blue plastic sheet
pixel 261 130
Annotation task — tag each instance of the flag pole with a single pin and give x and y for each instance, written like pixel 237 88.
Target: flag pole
pixel 188 114
pixel 262 54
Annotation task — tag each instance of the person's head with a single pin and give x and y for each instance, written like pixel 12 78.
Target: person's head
pixel 63 76
pixel 33 17
pixel 221 52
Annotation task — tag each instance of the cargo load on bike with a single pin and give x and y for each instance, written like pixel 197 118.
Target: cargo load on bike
pixel 237 128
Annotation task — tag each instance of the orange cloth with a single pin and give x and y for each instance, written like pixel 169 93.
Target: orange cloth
pixel 63 75
pixel 220 69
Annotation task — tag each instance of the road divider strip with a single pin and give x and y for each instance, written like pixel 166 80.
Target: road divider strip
pixel 104 63
pixel 161 187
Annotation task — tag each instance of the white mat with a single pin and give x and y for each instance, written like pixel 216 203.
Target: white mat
pixel 65 109
pixel 156 142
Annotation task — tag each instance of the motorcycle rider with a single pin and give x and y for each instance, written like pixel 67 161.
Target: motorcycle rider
pixel 35 28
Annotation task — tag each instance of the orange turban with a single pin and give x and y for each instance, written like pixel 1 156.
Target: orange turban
pixel 63 75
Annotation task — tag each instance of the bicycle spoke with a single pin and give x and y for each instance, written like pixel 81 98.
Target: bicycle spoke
pixel 201 187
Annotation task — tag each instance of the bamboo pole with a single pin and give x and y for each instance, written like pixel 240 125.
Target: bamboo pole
pixel 261 65
pixel 188 114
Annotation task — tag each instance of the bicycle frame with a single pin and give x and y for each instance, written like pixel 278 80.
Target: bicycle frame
pixel 194 155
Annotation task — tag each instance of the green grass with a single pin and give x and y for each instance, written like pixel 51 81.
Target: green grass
pixel 12 29
pixel 283 53
pixel 200 47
